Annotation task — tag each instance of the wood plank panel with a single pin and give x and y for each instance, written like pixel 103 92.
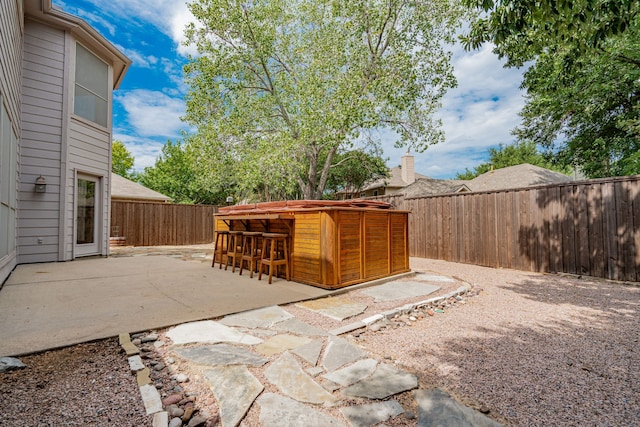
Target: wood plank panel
pixel 306 251
pixel 610 232
pixel 154 224
pixel 399 243
pixel 582 230
pixel 596 229
pixel 349 240
pixel 376 245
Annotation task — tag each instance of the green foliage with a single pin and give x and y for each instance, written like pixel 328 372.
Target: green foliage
pixel 279 88
pixel 175 175
pixel 588 108
pixel 523 29
pixel 354 169
pixel 583 89
pixel 512 155
pixel 121 160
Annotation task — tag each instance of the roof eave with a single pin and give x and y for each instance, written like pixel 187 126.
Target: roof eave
pixel 43 10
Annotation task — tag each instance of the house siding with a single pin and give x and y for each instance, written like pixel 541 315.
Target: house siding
pixel 11 37
pixel 89 151
pixel 43 82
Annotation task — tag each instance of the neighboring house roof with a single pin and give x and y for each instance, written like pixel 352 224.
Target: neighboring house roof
pixel 124 189
pixel 394 181
pixel 519 176
pixel 431 187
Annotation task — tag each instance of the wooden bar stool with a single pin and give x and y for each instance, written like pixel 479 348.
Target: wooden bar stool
pixel 220 247
pixel 250 251
pixel 235 249
pixel 271 256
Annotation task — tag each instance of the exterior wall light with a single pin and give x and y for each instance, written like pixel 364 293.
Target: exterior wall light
pixel 41 185
pixel 229 200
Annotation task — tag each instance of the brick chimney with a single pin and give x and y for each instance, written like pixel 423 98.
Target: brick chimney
pixel 408 169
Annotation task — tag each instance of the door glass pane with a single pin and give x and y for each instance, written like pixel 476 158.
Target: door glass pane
pixel 86 211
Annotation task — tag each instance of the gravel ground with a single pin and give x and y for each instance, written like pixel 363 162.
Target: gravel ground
pixel 529 349
pixel 83 385
pixel 535 350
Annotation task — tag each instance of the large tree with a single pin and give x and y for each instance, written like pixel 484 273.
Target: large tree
pixel 582 86
pixel 280 87
pixel 175 174
pixel 121 159
pixel 355 169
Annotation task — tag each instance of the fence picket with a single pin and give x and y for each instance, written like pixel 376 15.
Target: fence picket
pixel 156 224
pixel 584 227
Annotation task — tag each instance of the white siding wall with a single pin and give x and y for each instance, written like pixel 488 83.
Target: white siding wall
pixel 41 145
pixel 10 72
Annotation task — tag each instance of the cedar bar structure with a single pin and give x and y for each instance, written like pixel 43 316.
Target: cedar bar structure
pixel 332 244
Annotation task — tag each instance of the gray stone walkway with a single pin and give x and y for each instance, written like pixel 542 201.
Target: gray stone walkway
pixel 311 377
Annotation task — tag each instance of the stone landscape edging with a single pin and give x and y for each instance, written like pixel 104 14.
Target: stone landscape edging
pixel 405 309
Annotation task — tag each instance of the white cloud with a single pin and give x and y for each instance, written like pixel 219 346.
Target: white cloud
pixel 137 58
pixel 152 113
pixel 478 114
pixel 169 16
pixel 145 151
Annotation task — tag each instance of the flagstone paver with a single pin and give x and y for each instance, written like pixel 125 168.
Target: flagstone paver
pixel 220 354
pixel 400 289
pixel 276 410
pixel 339 352
pixel 135 363
pixel 434 278
pixel 354 373
pixel 151 398
pixel 437 408
pixel 260 318
pixel 235 389
pixel 335 308
pixel 287 374
pixel 298 327
pixel 310 352
pixel 208 331
pixel 372 413
pixel 280 343
pixel 386 381
pixel 341 369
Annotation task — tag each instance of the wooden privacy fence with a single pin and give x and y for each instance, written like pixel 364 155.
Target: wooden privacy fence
pixel 154 224
pixel 584 227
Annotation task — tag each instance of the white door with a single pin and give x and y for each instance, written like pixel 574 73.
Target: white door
pixel 88 208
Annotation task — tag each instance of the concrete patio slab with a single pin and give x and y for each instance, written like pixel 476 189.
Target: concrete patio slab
pixel 51 305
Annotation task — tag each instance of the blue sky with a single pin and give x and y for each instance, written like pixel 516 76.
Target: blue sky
pixel 478 114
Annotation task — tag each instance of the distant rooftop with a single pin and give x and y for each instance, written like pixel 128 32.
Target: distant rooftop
pixel 125 189
pixel 519 176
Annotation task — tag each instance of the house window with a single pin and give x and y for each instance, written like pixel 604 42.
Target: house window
pixel 375 192
pixel 8 165
pixel 363 194
pixel 91 87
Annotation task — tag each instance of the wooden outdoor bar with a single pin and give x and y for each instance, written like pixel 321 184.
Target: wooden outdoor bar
pixel 332 244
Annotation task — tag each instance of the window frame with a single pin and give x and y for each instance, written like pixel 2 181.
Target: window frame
pixel 91 91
